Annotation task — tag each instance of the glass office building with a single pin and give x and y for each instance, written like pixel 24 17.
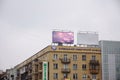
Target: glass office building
pixel 110 51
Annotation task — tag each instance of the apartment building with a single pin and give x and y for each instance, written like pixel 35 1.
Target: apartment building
pixel 62 63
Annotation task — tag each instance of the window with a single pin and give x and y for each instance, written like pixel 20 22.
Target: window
pixel 74 57
pixel 84 76
pixel 55 66
pixel 84 57
pixel 93 57
pixel 74 66
pixel 93 76
pixel 93 67
pixel 84 66
pixel 55 75
pixel 65 66
pixel 75 76
pixel 65 75
pixel 55 56
pixel 65 57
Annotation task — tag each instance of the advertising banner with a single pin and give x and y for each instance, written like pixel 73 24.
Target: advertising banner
pixel 87 38
pixel 45 70
pixel 62 37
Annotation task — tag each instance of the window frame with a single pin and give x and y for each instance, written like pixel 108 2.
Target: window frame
pixel 74 66
pixel 55 56
pixel 75 57
pixel 55 65
pixel 75 76
pixel 83 57
pixel 84 66
pixel 55 75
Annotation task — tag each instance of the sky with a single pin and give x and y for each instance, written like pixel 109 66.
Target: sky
pixel 26 25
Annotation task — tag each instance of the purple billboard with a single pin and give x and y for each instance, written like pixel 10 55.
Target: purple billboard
pixel 63 37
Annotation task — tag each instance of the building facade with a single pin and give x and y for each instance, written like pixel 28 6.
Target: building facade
pixel 110 51
pixel 62 63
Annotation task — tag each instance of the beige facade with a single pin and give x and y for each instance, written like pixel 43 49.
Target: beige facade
pixel 64 62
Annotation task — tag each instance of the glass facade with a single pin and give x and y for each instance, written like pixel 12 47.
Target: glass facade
pixel 110 60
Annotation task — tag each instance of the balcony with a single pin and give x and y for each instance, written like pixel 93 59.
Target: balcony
pixel 65 70
pixel 35 63
pixel 94 66
pixel 94 71
pixel 65 79
pixel 65 60
pixel 40 71
pixel 95 62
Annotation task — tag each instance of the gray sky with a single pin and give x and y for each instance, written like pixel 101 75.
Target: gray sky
pixel 26 25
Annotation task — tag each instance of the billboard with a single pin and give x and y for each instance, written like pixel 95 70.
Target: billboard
pixel 45 70
pixel 87 38
pixel 62 37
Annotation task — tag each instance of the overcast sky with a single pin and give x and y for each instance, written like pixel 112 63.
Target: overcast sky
pixel 26 25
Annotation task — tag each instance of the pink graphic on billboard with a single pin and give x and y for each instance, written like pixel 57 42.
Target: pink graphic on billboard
pixel 63 37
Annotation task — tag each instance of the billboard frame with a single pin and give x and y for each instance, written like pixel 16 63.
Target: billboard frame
pixel 63 33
